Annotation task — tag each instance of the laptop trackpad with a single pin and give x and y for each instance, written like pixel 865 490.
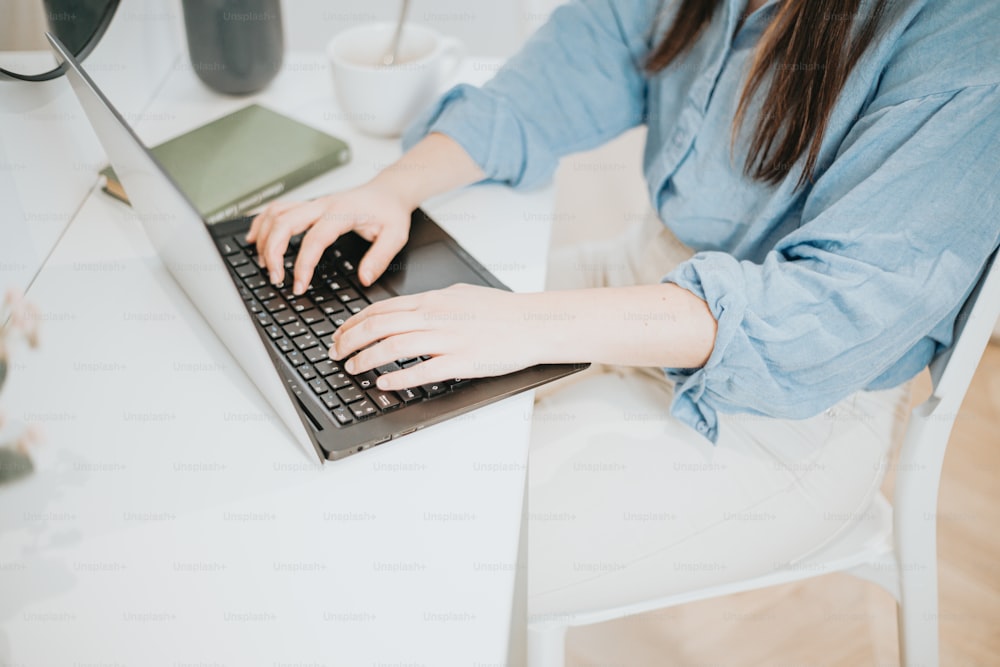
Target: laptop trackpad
pixel 428 267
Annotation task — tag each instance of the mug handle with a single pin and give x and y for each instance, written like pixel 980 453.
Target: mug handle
pixel 453 54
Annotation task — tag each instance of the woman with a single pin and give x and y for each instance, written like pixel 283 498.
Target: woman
pixel 826 173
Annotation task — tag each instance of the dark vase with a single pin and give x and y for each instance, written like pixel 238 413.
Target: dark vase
pixel 236 46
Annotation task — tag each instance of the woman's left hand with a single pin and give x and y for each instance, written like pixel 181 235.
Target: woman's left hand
pixel 467 330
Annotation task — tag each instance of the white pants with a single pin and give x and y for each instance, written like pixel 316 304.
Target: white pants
pixel 626 503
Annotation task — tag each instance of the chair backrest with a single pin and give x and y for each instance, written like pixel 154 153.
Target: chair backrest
pixel 922 453
pixel 952 370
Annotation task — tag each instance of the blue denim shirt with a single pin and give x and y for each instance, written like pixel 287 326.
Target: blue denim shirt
pixel 851 282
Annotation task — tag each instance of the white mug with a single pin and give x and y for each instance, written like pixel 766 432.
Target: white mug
pixel 383 99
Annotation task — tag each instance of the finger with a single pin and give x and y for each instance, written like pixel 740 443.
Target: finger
pixel 254 226
pixel 410 302
pixel 286 225
pixel 376 328
pixel 402 346
pixel 314 244
pixel 435 369
pixel 386 245
pixel 265 217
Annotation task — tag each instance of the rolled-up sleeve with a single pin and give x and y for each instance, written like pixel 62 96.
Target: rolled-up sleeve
pixel 576 83
pixel 893 236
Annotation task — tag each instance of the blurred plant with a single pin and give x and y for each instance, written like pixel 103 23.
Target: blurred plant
pixel 18 319
pixel 17 316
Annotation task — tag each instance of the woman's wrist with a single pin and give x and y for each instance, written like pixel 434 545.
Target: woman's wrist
pixel 435 165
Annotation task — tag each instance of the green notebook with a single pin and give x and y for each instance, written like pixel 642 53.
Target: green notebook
pixel 239 161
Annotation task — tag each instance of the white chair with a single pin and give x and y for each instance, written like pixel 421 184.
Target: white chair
pixel 894 546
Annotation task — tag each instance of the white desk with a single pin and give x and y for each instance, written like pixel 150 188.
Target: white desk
pixel 177 523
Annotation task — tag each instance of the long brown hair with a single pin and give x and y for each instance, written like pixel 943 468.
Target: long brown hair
pixel 807 53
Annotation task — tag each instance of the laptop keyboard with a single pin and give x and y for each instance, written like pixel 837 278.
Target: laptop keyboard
pixel 301 328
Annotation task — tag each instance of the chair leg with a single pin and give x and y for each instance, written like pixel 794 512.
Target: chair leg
pixel 547 646
pixel 917 612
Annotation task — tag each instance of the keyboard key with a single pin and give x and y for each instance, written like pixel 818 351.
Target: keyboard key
pixel 286 316
pixel 322 295
pixel 274 332
pixel 342 415
pixel 390 367
pixel 238 259
pixel 284 345
pixel 356 306
pixel 274 305
pixel 332 307
pixel 406 363
pixel 366 380
pixel 327 367
pixel 228 246
pixel 253 282
pixel 301 303
pixel 338 380
pixel 318 386
pixel 410 395
pixel 330 400
pixel 338 320
pixel 305 341
pixel 434 388
pixel 347 295
pixel 350 394
pixel 294 329
pixel 312 316
pixel 323 328
pixel 458 382
pixel 263 319
pixel 241 241
pixel 255 307
pixel 383 399
pixel 345 266
pixel 363 408
pixel 307 372
pixel 245 294
pixel 265 293
pixel 295 357
pixel 247 270
pixel 316 354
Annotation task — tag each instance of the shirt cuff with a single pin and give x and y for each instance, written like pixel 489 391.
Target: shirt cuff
pixel 690 404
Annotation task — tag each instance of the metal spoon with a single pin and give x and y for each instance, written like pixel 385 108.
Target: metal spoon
pixel 390 57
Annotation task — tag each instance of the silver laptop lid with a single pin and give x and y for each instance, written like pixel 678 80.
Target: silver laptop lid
pixel 177 231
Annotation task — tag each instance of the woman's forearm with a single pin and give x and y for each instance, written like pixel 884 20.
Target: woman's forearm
pixel 435 165
pixel 643 325
pixel 473 331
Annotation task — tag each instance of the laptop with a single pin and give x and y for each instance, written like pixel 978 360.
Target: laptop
pixel 281 340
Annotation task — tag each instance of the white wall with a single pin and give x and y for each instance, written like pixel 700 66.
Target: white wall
pixel 488 28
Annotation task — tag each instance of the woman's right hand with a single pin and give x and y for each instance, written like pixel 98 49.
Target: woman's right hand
pixel 378 211
pixel 374 211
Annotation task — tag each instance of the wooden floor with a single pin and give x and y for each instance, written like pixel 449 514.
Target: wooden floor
pixel 829 621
